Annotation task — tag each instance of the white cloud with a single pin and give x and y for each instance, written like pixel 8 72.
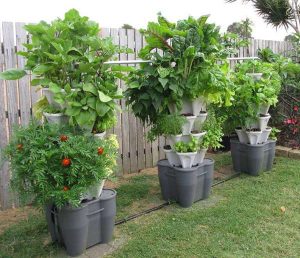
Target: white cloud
pixel 114 13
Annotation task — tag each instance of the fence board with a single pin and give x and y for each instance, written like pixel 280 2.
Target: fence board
pixel 125 118
pixel 4 170
pixel 131 117
pixel 140 128
pixel 24 85
pixel 114 33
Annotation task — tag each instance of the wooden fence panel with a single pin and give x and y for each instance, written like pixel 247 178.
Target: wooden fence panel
pixel 4 170
pixel 17 98
pixel 24 84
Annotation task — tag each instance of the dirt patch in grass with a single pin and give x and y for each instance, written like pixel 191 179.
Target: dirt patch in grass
pixel 12 216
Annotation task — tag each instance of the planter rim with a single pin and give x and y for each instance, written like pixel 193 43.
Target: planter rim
pixel 206 161
pixel 186 153
pixel 253 145
pixel 52 114
pixel 190 117
pixel 199 134
pixel 168 151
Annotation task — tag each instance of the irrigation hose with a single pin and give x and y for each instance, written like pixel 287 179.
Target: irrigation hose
pixel 134 216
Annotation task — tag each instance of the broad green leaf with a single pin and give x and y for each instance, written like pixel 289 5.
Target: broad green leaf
pixel 163 82
pixel 91 102
pixel 12 74
pixel 133 85
pixel 102 108
pixel 88 87
pixel 104 98
pixel 39 107
pixel 163 72
pixel 74 51
pixel 54 88
pixel 119 94
pixel 42 68
pixel 68 88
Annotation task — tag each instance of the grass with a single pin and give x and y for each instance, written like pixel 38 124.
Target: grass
pixel 242 218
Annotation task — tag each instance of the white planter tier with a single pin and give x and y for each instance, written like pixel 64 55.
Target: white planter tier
pixel 255 76
pixel 187 107
pixel 173 139
pixel 172 157
pixel 187 159
pixel 199 157
pixel 242 135
pixel 198 105
pixel 198 136
pixel 188 126
pixel 265 135
pixel 263 122
pixel 94 191
pixel 201 118
pixel 254 137
pixel 264 109
pixel 100 135
pixel 56 118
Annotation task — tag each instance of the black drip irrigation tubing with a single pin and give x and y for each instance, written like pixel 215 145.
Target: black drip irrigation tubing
pixel 134 216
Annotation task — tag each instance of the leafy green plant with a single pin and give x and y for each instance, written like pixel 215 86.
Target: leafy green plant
pixel 274 133
pixel 69 54
pixel 184 60
pixel 214 131
pixel 167 125
pixel 55 164
pixel 185 147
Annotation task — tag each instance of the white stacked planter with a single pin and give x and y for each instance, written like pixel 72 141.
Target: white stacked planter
pixel 261 123
pixel 195 112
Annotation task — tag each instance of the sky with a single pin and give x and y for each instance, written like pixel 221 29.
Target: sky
pixel 114 13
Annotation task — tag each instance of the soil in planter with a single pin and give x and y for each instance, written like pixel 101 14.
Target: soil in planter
pixel 262 115
pixel 254 130
pixel 203 112
pixel 167 147
pixel 187 114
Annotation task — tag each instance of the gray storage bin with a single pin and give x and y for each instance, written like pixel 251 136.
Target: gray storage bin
pixel 79 228
pixel 185 185
pixel 252 159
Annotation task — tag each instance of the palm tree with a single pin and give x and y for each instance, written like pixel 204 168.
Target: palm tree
pixel 243 28
pixel 279 13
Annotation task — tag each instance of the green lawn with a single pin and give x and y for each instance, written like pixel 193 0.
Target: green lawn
pixel 242 218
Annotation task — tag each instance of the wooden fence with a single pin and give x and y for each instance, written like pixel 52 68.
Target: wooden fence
pixel 17 98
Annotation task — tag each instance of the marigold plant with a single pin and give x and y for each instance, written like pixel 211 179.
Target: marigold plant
pixel 57 165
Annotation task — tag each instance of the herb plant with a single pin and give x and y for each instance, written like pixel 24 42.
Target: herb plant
pixel 185 147
pixel 214 131
pixel 54 164
pixel 167 125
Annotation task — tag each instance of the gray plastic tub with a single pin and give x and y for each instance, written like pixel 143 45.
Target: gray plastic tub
pixel 79 228
pixel 185 185
pixel 252 159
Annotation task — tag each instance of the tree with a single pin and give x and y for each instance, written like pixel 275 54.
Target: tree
pixel 243 28
pixel 127 26
pixel 279 13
